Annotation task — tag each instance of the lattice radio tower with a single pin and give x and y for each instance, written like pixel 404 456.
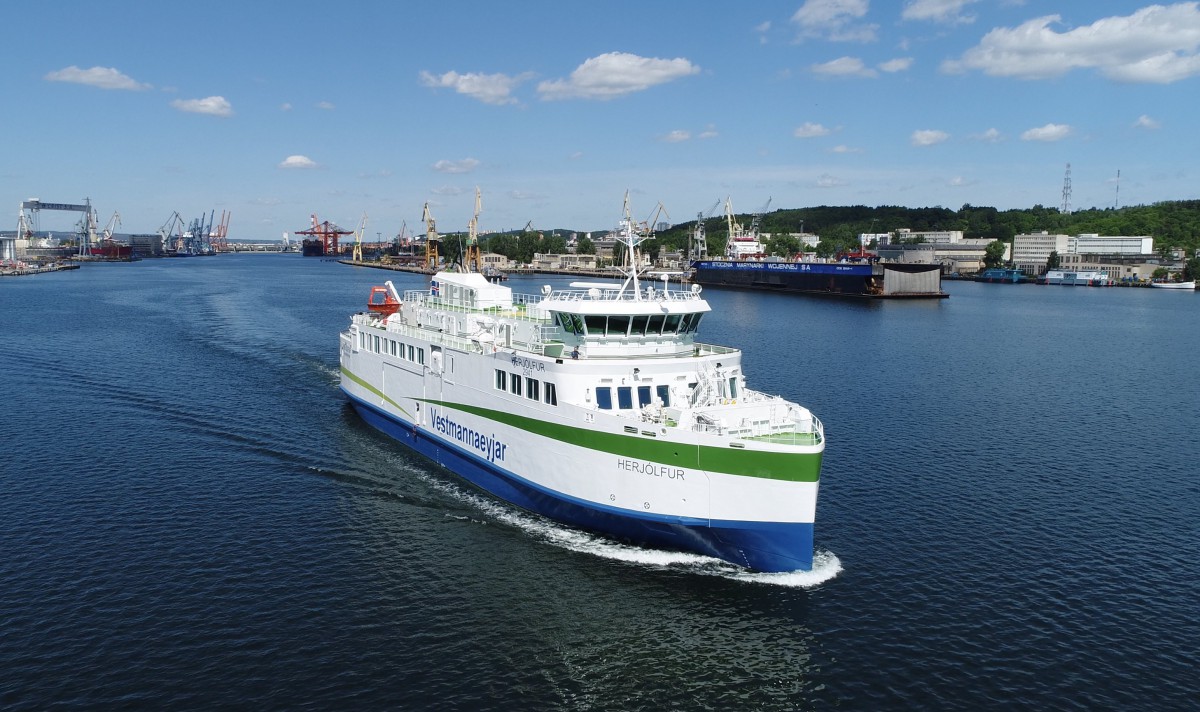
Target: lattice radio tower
pixel 1066 202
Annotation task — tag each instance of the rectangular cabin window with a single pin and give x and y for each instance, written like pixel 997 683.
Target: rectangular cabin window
pixel 672 324
pixel 596 323
pixel 638 325
pixel 643 396
pixel 531 389
pixel 618 324
pixel 516 384
pixel 624 397
pixel 550 397
pixel 654 325
pixel 604 398
pixel 733 387
pixel 392 345
pixel 421 356
pixel 664 395
pixel 376 349
pixel 411 353
pixel 362 340
pixel 501 380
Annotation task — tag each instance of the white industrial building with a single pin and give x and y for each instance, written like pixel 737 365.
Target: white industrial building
pixel 1030 252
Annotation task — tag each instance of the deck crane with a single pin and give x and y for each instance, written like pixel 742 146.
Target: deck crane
pixel 431 238
pixel 699 246
pixel 473 262
pixel 357 254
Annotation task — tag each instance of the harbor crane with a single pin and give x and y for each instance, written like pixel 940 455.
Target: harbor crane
pixel 357 255
pixel 431 238
pixel 217 238
pixel 473 261
pixel 699 246
pixel 171 232
pixel 327 233
pixel 756 219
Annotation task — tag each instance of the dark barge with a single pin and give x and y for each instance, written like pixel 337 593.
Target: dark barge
pixel 871 280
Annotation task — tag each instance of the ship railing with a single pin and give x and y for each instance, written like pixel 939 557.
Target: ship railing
pixel 781 423
pixel 521 306
pixel 699 349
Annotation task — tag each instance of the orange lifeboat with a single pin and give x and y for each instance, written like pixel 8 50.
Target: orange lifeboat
pixel 382 302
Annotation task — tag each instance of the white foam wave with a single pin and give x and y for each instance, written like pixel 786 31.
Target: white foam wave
pixel 826 565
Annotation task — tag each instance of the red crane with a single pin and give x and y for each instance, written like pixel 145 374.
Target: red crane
pixel 327 233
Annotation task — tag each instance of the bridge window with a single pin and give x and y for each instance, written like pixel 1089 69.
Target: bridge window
pixel 625 398
pixel 643 396
pixel 672 324
pixel 638 325
pixel 596 324
pixel 664 395
pixel 618 324
pixel 604 398
pixel 654 325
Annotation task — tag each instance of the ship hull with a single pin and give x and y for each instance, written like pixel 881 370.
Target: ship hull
pixel 762 546
pixel 872 281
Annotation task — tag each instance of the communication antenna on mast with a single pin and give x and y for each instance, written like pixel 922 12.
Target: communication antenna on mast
pixel 1066 201
pixel 1117 199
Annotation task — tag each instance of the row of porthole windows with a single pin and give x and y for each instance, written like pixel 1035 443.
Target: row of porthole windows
pixel 531 388
pixel 627 325
pixel 604 396
pixel 385 346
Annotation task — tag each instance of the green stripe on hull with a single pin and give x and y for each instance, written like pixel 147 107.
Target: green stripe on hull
pixel 791 467
pixel 346 372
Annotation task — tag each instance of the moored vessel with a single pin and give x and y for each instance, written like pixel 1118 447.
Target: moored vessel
pixel 1164 284
pixel 1076 278
pixel 596 406
pixel 1001 275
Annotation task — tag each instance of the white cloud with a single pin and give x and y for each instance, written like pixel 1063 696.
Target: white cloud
pixel 810 130
pixel 448 190
pixel 525 195
pixel 99 77
pixel 1049 132
pixel 1156 44
pixel 709 131
pixel 576 155
pixel 212 105
pixel 466 165
pixel 842 148
pixel 899 64
pixel 285 106
pixel 959 182
pixel 1145 122
pixel 843 67
pixel 990 136
pixel 834 20
pixel 945 11
pixel 928 137
pixel 493 89
pixel 828 181
pixel 298 162
pixel 675 136
pixel 615 74
pixel 764 27
pixel 325 105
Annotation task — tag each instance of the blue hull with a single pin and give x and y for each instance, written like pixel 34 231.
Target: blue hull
pixel 761 546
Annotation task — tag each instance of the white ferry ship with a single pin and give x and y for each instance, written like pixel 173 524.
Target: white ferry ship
pixel 595 406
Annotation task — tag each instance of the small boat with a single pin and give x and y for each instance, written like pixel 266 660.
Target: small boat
pixel 1001 275
pixel 1077 278
pixel 1175 285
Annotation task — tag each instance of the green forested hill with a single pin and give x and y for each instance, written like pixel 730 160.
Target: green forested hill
pixel 1171 224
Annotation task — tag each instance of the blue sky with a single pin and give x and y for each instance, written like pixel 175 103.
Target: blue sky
pixel 276 110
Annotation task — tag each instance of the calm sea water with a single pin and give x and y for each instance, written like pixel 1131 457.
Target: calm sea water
pixel 191 516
